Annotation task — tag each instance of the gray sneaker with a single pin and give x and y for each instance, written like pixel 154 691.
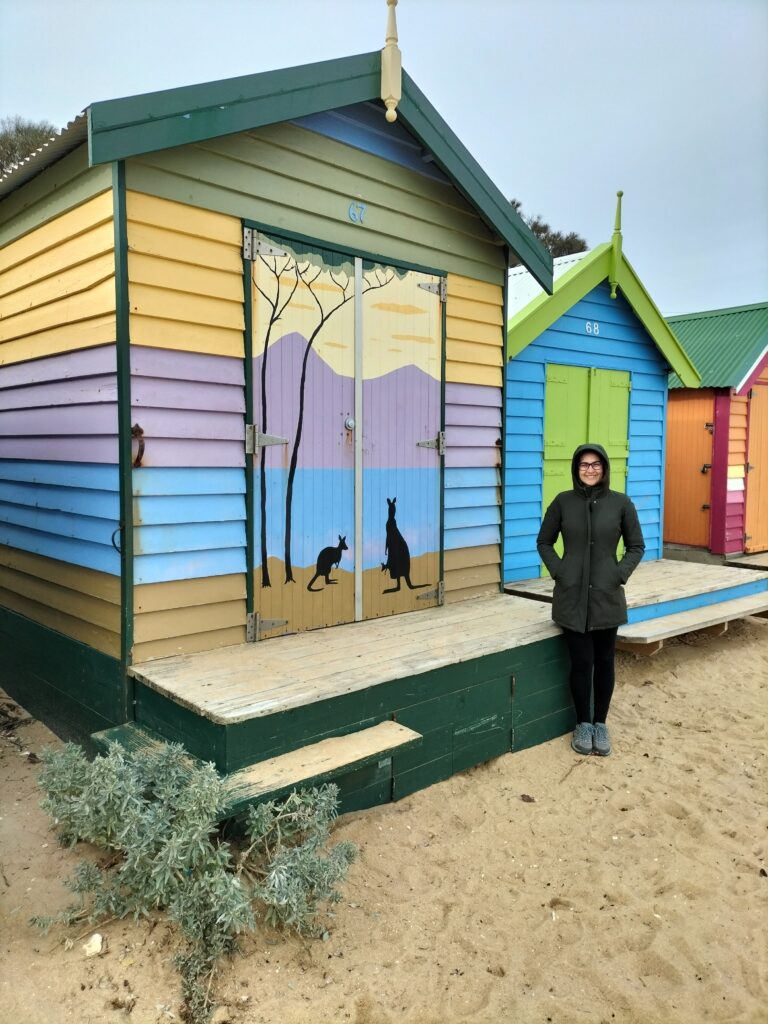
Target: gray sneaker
pixel 582 741
pixel 602 741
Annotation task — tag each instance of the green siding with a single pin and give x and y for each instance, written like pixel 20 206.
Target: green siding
pixel 64 185
pixel 288 178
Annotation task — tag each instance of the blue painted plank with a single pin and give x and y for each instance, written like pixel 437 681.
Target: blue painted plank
pixel 645 413
pixel 481 476
pixel 528 527
pixel 523 460
pixel 524 571
pixel 468 497
pixel 458 518
pixel 655 611
pixel 75 501
pixel 62 474
pixel 649 503
pixel 641 474
pixel 645 396
pixel 169 480
pixel 522 370
pixel 525 544
pixel 533 408
pixel 641 444
pixel 525 389
pixel 518 560
pixel 151 540
pixel 471 538
pixel 205 508
pixel 65 549
pixel 526 476
pixel 523 510
pixel 523 426
pixel 61 524
pixel 188 565
pixel 646 428
pixel 524 443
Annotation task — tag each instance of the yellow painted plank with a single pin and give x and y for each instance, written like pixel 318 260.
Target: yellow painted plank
pixel 461 558
pixel 469 352
pixel 471 330
pixel 69 225
pixel 472 576
pixel 97 301
pixel 457 596
pixel 481 312
pixel 179 217
pixel 185 337
pixel 477 291
pixel 93 636
pixel 192 644
pixel 736 472
pixel 66 338
pixel 185 277
pixel 182 621
pixel 63 599
pixel 101 585
pixel 466 373
pixel 154 597
pixel 90 244
pixel 197 309
pixel 67 283
pixel 155 241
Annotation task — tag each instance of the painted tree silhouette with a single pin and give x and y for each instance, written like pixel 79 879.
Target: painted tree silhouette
pixel 277 306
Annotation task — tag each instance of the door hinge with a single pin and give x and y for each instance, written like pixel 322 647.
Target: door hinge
pixel 255 626
pixel 706 467
pixel 705 508
pixel 439 288
pixel 710 427
pixel 749 467
pixel 437 594
pixel 434 442
pixel 255 244
pixel 254 439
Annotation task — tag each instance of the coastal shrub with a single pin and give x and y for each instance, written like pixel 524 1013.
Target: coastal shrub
pixel 157 815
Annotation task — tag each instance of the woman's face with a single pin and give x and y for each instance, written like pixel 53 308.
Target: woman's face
pixel 590 468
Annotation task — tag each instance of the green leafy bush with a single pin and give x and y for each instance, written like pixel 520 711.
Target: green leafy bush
pixel 158 816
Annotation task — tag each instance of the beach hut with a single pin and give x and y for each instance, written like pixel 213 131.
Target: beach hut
pixel 717 434
pixel 251 351
pixel 588 363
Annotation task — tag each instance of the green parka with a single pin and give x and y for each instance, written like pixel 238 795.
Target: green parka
pixel 589 580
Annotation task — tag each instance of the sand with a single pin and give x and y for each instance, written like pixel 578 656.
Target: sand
pixel 626 890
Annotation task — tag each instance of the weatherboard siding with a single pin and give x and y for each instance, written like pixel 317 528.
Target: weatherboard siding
pixel 621 344
pixel 57 284
pixel 291 179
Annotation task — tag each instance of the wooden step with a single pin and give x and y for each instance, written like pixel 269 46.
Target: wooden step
pixel 648 637
pixel 308 766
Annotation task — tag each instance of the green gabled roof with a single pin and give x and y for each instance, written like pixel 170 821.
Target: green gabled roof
pixel 727 346
pixel 606 262
pixel 118 129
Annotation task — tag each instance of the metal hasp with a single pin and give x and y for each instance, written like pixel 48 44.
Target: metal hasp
pixel 254 439
pixel 438 593
pixel 436 287
pixel 255 626
pixel 706 467
pixel 434 442
pixel 255 244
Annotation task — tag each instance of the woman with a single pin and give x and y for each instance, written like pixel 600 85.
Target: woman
pixel 589 601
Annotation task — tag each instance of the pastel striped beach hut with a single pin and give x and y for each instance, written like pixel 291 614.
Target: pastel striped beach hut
pixel 588 363
pixel 251 361
pixel 717 434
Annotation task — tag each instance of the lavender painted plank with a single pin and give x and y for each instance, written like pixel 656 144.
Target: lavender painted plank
pixel 185 423
pixel 82 363
pixel 61 449
pixel 472 394
pixel 74 420
pixel 160 451
pixel 470 457
pixel 472 437
pixel 174 365
pixel 155 392
pixel 82 391
pixel 472 415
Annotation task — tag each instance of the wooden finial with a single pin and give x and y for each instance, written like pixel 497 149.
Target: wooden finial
pixel 616 247
pixel 391 66
pixel 617 225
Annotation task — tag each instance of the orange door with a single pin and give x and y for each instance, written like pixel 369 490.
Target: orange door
pixel 687 490
pixel 756 521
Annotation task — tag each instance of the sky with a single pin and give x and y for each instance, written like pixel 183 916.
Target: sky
pixel 562 102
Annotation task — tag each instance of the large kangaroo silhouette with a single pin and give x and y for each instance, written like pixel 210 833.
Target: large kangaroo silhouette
pixel 398 561
pixel 326 560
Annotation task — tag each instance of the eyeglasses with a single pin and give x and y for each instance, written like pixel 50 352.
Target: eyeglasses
pixel 590 467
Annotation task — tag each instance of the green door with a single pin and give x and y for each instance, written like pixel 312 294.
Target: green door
pixel 581 405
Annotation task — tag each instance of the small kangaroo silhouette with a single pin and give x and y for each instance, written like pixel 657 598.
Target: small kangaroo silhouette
pixel 398 561
pixel 326 560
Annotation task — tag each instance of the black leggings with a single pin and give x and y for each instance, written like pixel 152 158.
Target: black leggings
pixel 592 657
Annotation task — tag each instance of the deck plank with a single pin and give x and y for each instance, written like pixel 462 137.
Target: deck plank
pixel 691 621
pixel 759 561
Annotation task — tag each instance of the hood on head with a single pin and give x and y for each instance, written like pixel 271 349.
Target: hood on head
pixel 598 448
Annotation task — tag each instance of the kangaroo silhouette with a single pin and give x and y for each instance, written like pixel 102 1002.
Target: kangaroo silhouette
pixel 326 560
pixel 398 562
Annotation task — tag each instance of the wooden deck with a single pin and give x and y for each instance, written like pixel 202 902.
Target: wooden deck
pixel 665 586
pixel 759 561
pixel 248 681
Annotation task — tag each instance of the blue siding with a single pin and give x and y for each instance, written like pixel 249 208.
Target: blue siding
pixel 621 344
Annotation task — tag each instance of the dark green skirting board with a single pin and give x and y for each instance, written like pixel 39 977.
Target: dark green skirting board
pixel 69 686
pixel 467 713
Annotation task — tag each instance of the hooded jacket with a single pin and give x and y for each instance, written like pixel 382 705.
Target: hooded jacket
pixel 589 579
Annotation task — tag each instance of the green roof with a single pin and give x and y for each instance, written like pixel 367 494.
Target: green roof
pixel 606 262
pixel 118 129
pixel 727 346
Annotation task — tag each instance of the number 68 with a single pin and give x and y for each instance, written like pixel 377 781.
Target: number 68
pixel 592 326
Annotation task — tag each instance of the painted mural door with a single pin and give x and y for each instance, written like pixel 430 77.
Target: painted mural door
pixel 347 358
pixel 688 490
pixel 583 404
pixel 756 520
